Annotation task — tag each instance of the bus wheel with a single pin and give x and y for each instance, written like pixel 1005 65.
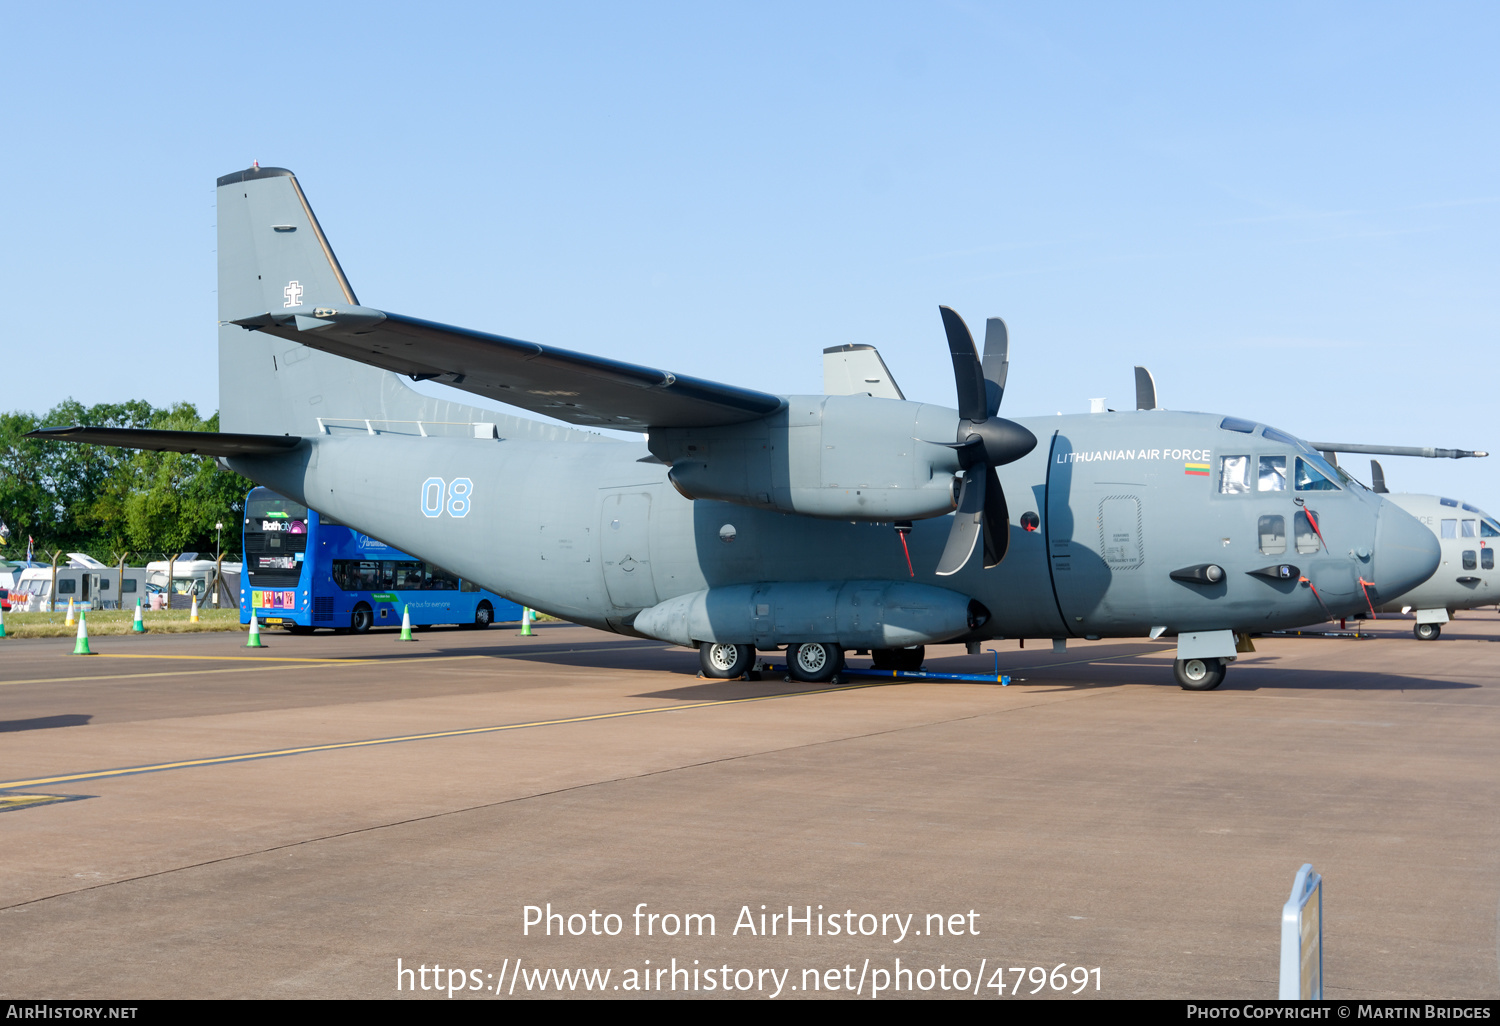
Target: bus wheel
pixel 484 616
pixel 362 620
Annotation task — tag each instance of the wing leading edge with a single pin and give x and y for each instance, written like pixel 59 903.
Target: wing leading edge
pixel 589 391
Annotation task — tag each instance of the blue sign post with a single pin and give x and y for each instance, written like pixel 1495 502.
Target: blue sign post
pixel 1302 939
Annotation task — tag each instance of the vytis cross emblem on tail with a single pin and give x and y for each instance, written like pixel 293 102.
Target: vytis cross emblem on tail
pixel 293 293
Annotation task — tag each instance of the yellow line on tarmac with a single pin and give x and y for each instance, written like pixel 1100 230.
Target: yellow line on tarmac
pixel 206 658
pixel 371 742
pixel 200 673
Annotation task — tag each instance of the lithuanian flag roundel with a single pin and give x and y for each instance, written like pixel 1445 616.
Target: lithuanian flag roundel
pixel 1195 469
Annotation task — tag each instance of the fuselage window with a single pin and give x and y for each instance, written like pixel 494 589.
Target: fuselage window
pixel 1272 474
pixel 1272 535
pixel 1307 538
pixel 1234 475
pixel 1311 479
pixel 1449 502
pixel 1487 559
pixel 1470 529
pixel 1450 529
pixel 1470 563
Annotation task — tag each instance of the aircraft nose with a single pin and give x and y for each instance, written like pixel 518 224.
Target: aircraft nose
pixel 1406 552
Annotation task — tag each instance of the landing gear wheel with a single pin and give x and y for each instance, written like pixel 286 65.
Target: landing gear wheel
pixel 1199 674
pixel 1427 631
pixel 814 662
pixel 900 659
pixel 725 662
pixel 362 620
pixel 483 616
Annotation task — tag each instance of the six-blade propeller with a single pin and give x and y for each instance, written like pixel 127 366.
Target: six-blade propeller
pixel 984 442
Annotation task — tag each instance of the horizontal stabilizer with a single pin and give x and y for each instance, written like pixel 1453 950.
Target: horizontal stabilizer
pixel 202 443
pixel 591 391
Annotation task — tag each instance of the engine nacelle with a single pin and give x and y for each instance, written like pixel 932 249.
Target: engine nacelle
pixel 853 614
pixel 841 457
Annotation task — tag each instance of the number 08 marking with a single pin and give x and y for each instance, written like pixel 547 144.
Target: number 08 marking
pixel 459 494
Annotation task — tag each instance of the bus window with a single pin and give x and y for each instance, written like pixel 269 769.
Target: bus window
pixel 408 576
pixel 1234 475
pixel 439 579
pixel 275 534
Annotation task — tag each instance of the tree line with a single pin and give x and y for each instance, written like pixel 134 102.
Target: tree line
pixel 105 501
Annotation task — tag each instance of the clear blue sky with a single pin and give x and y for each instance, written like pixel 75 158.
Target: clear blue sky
pixel 1287 211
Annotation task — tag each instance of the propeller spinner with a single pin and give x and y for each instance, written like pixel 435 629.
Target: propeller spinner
pixel 984 442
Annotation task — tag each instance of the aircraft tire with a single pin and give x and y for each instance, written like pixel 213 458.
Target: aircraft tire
pixel 484 616
pixel 814 662
pixel 362 619
pixel 1427 631
pixel 1199 674
pixel 908 659
pixel 725 662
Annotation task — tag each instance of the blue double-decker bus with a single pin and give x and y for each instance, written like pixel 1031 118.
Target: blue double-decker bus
pixel 304 571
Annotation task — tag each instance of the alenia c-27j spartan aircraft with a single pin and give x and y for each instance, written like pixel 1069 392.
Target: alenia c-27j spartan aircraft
pixel 748 521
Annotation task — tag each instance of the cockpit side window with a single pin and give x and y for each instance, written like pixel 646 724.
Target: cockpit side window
pixel 1272 535
pixel 1234 475
pixel 1272 474
pixel 1469 529
pixel 1312 479
pixel 1489 529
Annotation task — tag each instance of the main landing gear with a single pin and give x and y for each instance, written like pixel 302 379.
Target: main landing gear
pixel 1199 674
pixel 725 662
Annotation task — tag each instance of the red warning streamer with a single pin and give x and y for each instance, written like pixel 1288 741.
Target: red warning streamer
pixel 1326 612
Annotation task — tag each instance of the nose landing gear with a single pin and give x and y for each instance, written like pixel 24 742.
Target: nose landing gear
pixel 1199 674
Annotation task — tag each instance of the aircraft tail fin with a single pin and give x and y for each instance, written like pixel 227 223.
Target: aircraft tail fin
pixel 272 251
pixel 274 257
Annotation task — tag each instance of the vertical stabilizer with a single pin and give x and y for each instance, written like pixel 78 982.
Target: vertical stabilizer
pixel 273 256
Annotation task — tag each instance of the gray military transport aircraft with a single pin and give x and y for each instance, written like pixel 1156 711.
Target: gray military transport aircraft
pixel 749 521
pixel 1467 577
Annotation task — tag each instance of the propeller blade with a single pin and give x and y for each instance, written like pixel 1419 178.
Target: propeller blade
pixel 968 375
pixel 996 521
pixel 966 524
pixel 1145 389
pixel 996 362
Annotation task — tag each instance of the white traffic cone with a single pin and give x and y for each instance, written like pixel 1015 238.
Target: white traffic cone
pixel 254 640
pixel 193 616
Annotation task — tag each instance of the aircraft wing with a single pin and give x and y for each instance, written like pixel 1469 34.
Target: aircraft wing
pixel 574 387
pixel 202 443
